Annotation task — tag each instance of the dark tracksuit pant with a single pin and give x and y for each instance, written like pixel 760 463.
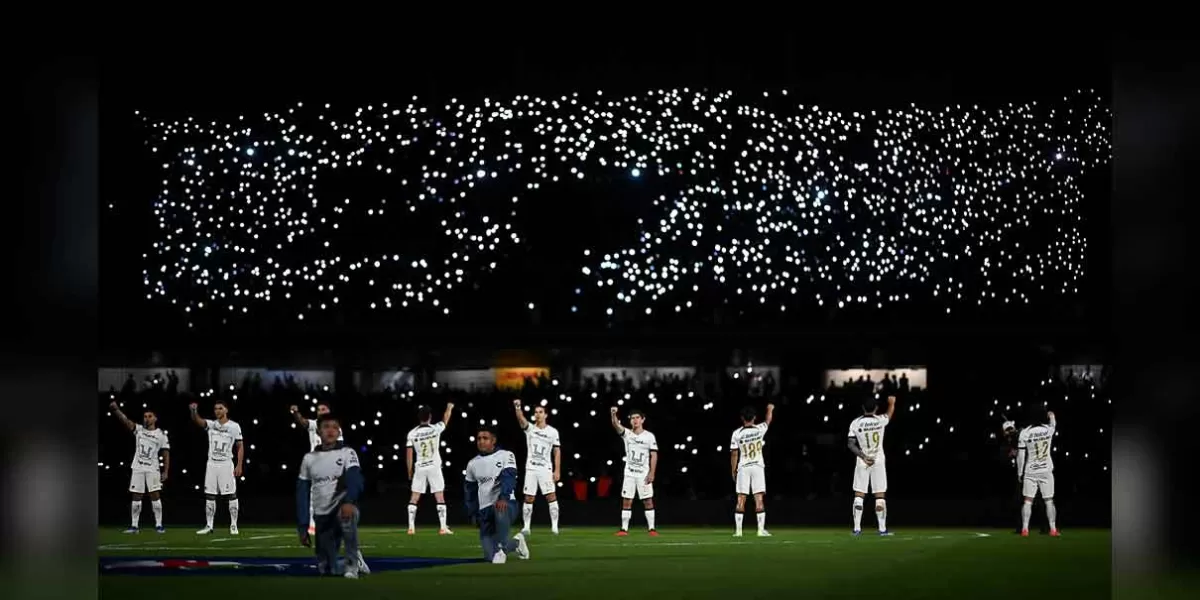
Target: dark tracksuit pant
pixel 494 529
pixel 332 532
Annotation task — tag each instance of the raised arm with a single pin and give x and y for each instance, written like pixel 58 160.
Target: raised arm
pixel 300 420
pixel 891 407
pixel 116 409
pixel 617 423
pixel 770 413
pixel 201 423
pixel 449 413
pixel 521 420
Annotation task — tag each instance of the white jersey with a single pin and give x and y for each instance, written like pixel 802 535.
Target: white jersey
pixel 426 442
pixel 749 442
pixel 150 442
pixel 868 430
pixel 485 469
pixel 1037 442
pixel 221 439
pixel 540 444
pixel 314 438
pixel 638 447
pixel 326 470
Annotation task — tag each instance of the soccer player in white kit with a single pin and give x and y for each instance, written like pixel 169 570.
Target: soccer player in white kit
pixel 870 469
pixel 1035 468
pixel 424 456
pixel 331 478
pixel 314 440
pixel 641 461
pixel 541 441
pixel 489 486
pixel 749 468
pixel 146 478
pixel 220 475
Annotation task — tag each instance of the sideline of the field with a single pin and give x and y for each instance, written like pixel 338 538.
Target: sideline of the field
pixel 743 542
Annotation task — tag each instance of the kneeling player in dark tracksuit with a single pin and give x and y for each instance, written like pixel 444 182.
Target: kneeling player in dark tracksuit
pixel 491 483
pixel 330 475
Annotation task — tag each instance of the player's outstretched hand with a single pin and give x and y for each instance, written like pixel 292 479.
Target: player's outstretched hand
pixel 1050 414
pixel 293 409
pixel 450 405
pixel 114 406
pixel 517 403
pixel 613 410
pixel 305 540
pixel 194 407
pixel 891 399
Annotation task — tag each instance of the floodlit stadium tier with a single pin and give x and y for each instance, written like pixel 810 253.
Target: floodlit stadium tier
pixel 751 202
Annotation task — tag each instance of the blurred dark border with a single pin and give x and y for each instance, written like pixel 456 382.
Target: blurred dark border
pixel 48 477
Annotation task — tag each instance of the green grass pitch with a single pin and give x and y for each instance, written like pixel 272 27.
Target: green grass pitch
pixel 685 562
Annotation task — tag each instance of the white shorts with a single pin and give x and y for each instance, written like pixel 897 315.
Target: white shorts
pixel 751 480
pixel 1038 482
pixel 874 476
pixel 145 482
pixel 428 480
pixel 535 480
pixel 219 479
pixel 637 484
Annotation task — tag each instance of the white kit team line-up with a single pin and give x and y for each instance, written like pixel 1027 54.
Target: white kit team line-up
pixel 543 469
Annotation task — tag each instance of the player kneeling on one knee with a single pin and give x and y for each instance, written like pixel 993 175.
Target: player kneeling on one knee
pixel 490 496
pixel 331 477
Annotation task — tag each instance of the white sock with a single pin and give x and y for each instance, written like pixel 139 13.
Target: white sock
pixel 625 516
pixel 210 512
pixel 650 519
pixel 554 516
pixel 441 510
pixel 233 512
pixel 881 513
pixel 136 511
pixel 858 510
pixel 737 522
pixel 527 513
pixel 1051 514
pixel 1026 512
pixel 412 516
pixel 157 506
pixel 762 521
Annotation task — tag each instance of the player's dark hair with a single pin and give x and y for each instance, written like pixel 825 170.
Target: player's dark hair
pixel 150 410
pixel 1036 414
pixel 870 405
pixel 748 414
pixel 325 404
pixel 487 429
pixel 327 417
pixel 424 414
pixel 222 403
pixel 638 412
